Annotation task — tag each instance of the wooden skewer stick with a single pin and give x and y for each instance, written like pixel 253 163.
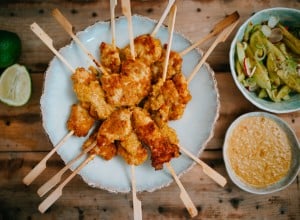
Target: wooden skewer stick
pixel 41 166
pixel 163 17
pixel 230 29
pixel 113 4
pixel 69 29
pixel 48 41
pixel 57 177
pixel 220 26
pixel 137 205
pixel 207 169
pixel 58 191
pixel 126 9
pixel 172 17
pixel 183 194
pixel 221 38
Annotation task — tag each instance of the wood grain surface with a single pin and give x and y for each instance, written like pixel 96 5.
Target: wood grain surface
pixel 23 141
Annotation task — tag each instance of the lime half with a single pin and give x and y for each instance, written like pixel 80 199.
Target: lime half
pixel 15 85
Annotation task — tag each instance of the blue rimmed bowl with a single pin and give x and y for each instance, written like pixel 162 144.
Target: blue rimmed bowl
pixel 287 16
pixel 294 168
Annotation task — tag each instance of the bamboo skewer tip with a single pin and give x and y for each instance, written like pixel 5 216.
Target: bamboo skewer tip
pixel 185 198
pixel 137 204
pixel 41 166
pixel 220 38
pixel 53 181
pixel 58 191
pixel 219 27
pixel 67 26
pixel 49 43
pixel 162 18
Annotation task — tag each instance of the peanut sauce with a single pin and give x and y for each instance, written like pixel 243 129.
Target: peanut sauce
pixel 259 151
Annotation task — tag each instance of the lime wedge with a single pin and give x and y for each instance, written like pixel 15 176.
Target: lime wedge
pixel 15 85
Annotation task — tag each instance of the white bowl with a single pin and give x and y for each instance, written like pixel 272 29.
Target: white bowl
pixel 295 156
pixel 286 16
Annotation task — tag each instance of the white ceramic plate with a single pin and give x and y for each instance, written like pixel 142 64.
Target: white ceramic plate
pixel 194 129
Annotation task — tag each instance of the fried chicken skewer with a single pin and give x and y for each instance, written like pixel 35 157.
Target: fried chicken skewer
pixel 184 196
pixel 137 205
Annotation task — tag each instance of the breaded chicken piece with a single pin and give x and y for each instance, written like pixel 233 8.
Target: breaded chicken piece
pixel 130 86
pixel 182 88
pixel 110 57
pixel 107 152
pixel 147 49
pixel 116 127
pixel 80 121
pixel 174 66
pixel 167 100
pixel 162 150
pixel 89 92
pixel 169 132
pixel 132 150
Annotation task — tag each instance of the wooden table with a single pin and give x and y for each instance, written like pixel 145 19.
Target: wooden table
pixel 23 142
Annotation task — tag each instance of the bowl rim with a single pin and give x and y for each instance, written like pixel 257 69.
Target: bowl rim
pixel 232 63
pixel 295 145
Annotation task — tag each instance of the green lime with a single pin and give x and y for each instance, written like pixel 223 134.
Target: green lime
pixel 10 48
pixel 15 85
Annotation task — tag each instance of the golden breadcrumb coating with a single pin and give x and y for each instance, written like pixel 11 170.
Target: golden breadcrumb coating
pixel 162 150
pixel 79 121
pixel 132 150
pixel 146 48
pixel 107 152
pixel 110 57
pixel 89 92
pixel 130 86
pixel 167 100
pixel 116 127
pixel 174 66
